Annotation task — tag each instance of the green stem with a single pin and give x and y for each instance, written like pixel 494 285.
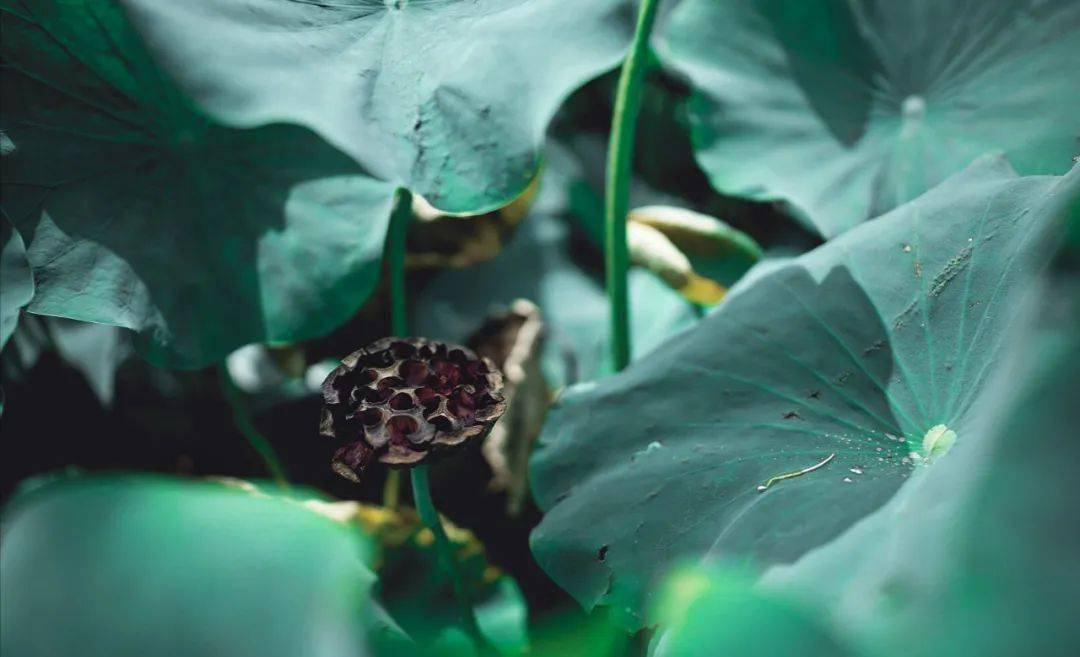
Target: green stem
pixel 617 190
pixel 396 239
pixel 426 508
pixel 400 217
pixel 243 421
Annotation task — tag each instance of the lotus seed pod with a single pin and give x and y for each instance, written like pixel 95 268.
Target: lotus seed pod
pixel 400 401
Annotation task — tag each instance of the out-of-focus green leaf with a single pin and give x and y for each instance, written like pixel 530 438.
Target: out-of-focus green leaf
pixel 140 212
pixel 449 99
pixel 843 358
pixel 501 617
pixel 16 279
pixel 848 109
pixel 419 596
pixel 130 566
pixel 708 611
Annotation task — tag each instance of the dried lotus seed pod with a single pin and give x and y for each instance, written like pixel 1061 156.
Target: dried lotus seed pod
pixel 399 401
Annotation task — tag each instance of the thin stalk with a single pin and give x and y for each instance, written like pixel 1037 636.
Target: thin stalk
pixel 396 236
pixel 390 496
pixel 426 508
pixel 400 217
pixel 243 421
pixel 617 189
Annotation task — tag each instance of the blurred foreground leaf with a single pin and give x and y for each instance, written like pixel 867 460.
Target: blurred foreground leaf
pixel 415 592
pixel 129 566
pixel 710 610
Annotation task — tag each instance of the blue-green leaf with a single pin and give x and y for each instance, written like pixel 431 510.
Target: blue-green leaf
pixel 139 211
pixel 450 99
pixel 835 364
pixel 846 110
pixel 130 566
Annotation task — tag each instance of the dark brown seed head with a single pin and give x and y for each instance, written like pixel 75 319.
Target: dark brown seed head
pixel 400 401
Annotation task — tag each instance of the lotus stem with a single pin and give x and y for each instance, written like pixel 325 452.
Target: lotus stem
pixel 443 550
pixel 617 189
pixel 242 419
pixel 400 216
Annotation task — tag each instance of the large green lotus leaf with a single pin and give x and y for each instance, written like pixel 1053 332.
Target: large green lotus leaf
pixel 855 350
pixel 142 213
pixel 129 566
pixel 16 279
pixel 847 110
pixel 979 555
pixel 450 99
